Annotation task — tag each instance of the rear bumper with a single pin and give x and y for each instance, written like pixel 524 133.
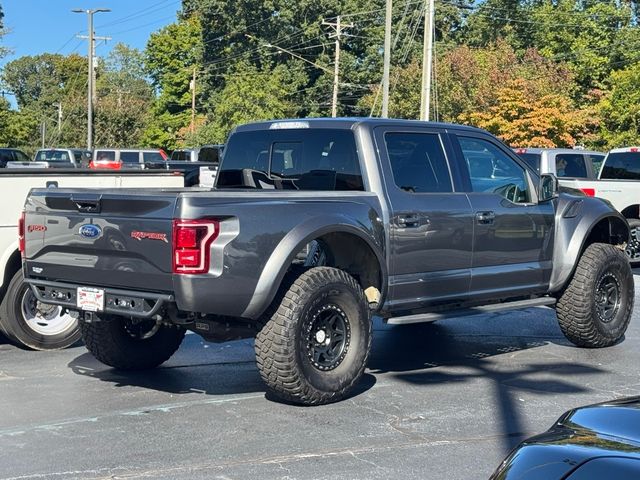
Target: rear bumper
pixel 131 303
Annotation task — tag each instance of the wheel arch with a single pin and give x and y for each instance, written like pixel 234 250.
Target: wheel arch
pixel 343 238
pixel 632 211
pixel 576 234
pixel 10 263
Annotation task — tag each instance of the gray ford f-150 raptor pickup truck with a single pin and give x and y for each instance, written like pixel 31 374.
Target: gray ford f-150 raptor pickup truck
pixel 313 227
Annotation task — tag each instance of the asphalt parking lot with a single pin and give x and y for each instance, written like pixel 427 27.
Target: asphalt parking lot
pixel 444 400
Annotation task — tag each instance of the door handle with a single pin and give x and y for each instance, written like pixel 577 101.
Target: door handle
pixel 411 220
pixel 485 218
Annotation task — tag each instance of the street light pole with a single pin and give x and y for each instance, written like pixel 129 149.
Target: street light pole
pixel 387 59
pixel 91 35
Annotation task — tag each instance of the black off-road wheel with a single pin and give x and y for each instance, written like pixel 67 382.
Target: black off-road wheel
pixel 126 344
pixel 633 247
pixel 314 346
pixel 595 308
pixel 26 322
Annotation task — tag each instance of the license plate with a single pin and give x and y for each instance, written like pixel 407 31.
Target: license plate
pixel 90 299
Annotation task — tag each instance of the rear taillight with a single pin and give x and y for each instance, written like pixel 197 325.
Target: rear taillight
pixel 21 234
pixel 589 192
pixel 192 241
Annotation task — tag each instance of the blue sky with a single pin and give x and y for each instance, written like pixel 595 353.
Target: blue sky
pixel 38 26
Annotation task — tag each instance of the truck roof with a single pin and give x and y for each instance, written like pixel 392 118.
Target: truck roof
pixel 555 150
pixel 346 123
pixel 625 150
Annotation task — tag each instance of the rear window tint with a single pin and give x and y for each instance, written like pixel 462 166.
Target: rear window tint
pixel 531 159
pixel 152 157
pixel 418 162
pixel 53 156
pixel 209 154
pixel 622 165
pixel 596 161
pixel 571 165
pixel 180 155
pixel 129 157
pixel 292 159
pixel 106 155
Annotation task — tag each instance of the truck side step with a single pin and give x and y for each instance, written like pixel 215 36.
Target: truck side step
pixel 464 312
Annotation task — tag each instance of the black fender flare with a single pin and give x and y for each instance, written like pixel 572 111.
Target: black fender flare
pixel 280 260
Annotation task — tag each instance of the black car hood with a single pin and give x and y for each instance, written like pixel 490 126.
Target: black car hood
pixel 609 430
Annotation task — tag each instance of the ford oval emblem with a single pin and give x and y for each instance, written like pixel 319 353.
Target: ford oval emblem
pixel 90 231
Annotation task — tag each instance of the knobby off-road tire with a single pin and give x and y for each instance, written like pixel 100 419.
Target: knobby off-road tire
pixel 314 346
pixel 121 344
pixel 29 323
pixel 633 247
pixel 595 308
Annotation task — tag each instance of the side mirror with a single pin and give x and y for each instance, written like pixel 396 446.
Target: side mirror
pixel 547 188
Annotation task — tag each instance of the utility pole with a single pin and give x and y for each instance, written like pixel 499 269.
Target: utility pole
pixel 59 107
pixel 91 78
pixel 338 27
pixel 427 60
pixel 44 132
pixel 387 60
pixel 192 86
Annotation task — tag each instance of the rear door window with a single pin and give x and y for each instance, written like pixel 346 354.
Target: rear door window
pixel 180 155
pixel 418 162
pixel 152 157
pixel 209 154
pixel 571 165
pixel 21 157
pixel 130 157
pixel 106 155
pixel 596 161
pixel 532 159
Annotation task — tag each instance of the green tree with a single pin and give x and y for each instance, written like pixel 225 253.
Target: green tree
pixel 172 54
pixel 619 109
pixel 124 99
pixel 255 94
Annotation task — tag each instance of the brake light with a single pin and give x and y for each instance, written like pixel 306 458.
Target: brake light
pixel 21 234
pixel 589 192
pixel 633 149
pixel 521 151
pixel 192 241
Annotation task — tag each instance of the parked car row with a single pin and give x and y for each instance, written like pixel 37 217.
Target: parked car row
pixel 613 176
pixel 108 158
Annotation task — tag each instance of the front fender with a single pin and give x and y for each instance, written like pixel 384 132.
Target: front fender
pixel 276 267
pixel 576 219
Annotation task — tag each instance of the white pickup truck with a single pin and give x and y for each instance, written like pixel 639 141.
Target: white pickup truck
pixel 618 182
pixel 24 320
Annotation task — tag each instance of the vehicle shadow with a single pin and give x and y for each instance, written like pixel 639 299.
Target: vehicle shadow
pixel 196 367
pixel 464 350
pixel 212 369
pixel 423 355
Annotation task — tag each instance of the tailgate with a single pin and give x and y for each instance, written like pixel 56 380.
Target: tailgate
pixel 119 239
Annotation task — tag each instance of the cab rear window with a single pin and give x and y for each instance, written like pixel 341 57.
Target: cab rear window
pixel 622 165
pixel 292 159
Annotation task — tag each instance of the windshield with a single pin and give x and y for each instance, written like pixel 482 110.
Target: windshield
pixel 292 159
pixel 53 156
pixel 622 165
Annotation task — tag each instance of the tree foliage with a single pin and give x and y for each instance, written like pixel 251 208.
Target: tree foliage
pixel 536 72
